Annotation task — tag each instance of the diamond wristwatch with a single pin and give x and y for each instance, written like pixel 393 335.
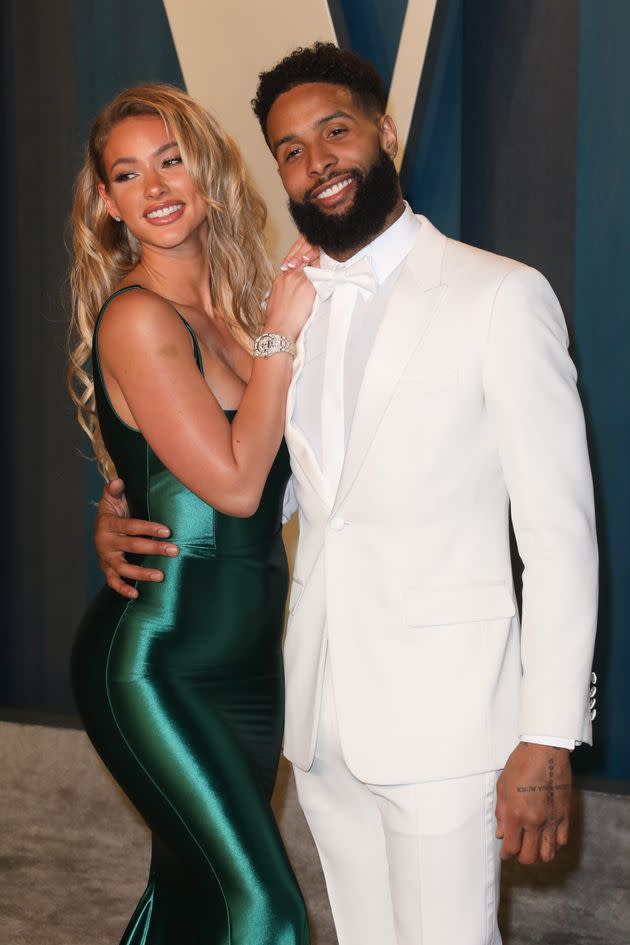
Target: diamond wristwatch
pixel 273 343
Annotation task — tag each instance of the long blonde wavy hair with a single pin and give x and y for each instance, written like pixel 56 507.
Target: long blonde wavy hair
pixel 104 251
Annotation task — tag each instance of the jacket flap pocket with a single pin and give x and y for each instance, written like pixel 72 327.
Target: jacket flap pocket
pixel 297 587
pixel 434 606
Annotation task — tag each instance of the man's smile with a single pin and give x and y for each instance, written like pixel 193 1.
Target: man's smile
pixel 335 193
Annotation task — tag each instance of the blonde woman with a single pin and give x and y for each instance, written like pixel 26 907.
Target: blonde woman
pixel 181 689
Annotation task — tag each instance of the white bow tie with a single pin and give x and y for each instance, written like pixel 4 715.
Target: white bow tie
pixel 360 274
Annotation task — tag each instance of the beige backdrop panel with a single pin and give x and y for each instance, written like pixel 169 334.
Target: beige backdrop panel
pixel 222 46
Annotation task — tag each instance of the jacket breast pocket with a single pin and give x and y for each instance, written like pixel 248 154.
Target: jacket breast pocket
pixel 433 606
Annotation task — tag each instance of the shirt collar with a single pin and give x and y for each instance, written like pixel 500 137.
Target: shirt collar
pixel 387 251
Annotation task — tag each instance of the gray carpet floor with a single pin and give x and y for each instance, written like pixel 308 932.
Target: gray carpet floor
pixel 74 855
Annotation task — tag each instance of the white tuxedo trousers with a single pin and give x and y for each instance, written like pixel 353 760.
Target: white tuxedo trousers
pixel 409 864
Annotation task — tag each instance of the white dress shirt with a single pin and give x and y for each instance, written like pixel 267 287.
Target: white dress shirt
pixel 321 425
pixel 387 253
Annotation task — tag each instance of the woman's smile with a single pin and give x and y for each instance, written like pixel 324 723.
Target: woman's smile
pixel 165 213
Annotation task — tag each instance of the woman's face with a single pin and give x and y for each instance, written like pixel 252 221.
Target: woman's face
pixel 149 187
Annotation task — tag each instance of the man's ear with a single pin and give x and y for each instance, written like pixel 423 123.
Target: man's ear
pixel 388 135
pixel 112 209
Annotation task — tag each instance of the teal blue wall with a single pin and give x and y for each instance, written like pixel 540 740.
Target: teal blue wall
pixel 372 29
pixel 534 167
pixel 120 44
pixel 431 172
pixel 602 344
pixel 433 176
pixel 432 169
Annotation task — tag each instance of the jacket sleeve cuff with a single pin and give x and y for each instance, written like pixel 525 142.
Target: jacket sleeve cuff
pixel 553 742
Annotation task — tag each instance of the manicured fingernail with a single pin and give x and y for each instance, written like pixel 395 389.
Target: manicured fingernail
pixel 156 576
pixel 283 267
pixel 292 264
pixel 171 550
pixel 164 532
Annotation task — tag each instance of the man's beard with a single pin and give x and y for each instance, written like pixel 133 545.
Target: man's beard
pixel 377 193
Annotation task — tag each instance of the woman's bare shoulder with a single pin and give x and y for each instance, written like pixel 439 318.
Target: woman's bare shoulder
pixel 139 313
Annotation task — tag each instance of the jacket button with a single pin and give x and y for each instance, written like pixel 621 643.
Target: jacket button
pixel 337 524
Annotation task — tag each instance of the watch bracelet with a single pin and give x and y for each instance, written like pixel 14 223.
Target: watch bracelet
pixel 272 342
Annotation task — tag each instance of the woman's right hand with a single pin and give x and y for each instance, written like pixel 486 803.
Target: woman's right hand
pixel 292 293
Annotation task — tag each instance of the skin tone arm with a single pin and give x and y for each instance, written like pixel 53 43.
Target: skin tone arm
pixel 147 350
pixel 115 533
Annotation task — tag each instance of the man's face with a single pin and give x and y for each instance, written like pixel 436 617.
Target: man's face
pixel 335 162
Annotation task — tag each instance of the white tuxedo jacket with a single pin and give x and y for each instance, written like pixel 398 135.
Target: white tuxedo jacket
pixel 468 405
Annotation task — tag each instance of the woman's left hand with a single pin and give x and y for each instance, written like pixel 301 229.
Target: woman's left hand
pixel 300 254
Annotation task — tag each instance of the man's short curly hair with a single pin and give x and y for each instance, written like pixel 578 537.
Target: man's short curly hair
pixel 322 62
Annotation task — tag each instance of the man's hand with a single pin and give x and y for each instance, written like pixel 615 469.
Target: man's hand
pixel 534 802
pixel 114 536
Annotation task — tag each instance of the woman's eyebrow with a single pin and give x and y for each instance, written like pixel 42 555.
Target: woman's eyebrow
pixel 156 153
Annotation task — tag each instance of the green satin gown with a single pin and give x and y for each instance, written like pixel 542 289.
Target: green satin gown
pixel 181 693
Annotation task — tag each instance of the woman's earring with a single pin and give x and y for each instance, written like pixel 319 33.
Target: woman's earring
pixel 117 219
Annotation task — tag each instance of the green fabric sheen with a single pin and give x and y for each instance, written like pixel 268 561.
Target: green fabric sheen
pixel 181 692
